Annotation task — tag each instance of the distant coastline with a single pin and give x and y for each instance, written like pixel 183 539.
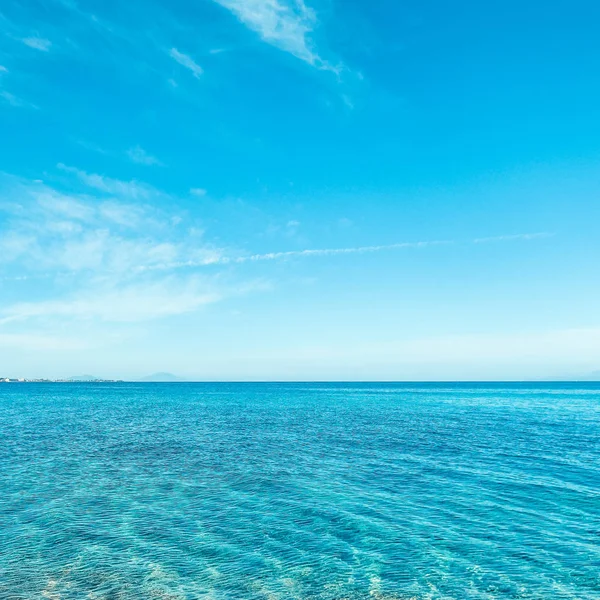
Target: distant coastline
pixel 69 380
pixel 531 382
pixel 161 377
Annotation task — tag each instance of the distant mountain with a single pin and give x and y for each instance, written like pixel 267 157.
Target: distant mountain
pixel 162 377
pixel 83 378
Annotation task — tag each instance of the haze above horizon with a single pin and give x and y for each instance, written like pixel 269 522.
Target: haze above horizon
pixel 289 190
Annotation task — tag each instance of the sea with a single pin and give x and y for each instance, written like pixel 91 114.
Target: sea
pixel 332 491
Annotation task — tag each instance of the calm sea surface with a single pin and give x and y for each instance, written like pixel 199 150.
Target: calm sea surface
pixel 281 491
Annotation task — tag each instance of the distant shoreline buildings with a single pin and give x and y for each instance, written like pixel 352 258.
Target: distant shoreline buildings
pixel 161 377
pixel 24 380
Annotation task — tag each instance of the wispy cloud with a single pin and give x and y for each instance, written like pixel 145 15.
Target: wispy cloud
pixel 286 24
pixel 34 341
pixel 3 69
pixel 220 258
pixel 37 43
pixel 101 259
pixel 130 303
pixel 90 146
pixel 138 155
pixel 215 258
pixel 513 237
pixel 112 259
pixel 133 189
pixel 10 98
pixel 198 192
pixel 186 61
pixel 371 249
pixel 15 101
pixel 52 231
pixel 332 251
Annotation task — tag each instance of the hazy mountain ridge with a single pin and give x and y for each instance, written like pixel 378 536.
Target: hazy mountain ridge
pixel 84 378
pixel 162 378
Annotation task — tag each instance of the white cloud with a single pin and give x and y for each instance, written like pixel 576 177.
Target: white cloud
pixel 286 24
pixel 37 43
pixel 102 260
pixel 132 190
pixel 198 192
pixel 60 204
pixel 51 231
pixel 3 69
pixel 140 156
pixel 212 256
pixel 114 260
pixel 129 303
pixel 186 61
pixel 15 244
pixel 126 215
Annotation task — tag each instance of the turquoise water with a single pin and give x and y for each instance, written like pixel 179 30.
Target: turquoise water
pixel 281 491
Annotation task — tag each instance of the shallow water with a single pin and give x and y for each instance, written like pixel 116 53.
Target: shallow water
pixel 280 491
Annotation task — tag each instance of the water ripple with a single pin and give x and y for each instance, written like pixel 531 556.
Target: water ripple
pixel 300 491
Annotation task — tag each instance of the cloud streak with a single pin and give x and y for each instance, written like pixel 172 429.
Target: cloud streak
pixel 52 231
pixel 102 259
pixel 136 302
pixel 15 101
pixel 222 259
pixel 372 249
pixel 138 155
pixel 287 25
pixel 332 251
pixel 132 190
pixel 186 61
pixel 32 341
pixel 514 237
pixel 113 259
pixel 37 43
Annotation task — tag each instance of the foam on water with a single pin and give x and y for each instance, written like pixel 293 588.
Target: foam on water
pixel 299 491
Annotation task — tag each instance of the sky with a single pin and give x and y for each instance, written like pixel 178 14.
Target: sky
pixel 290 190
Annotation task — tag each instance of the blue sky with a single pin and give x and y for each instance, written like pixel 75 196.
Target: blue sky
pixel 272 189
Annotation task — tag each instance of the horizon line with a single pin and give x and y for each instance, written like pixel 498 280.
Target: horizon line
pixel 298 381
